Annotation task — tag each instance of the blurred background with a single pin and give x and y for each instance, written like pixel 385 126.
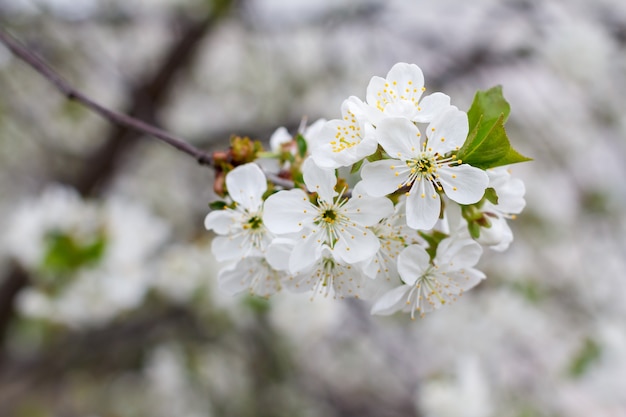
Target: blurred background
pixel 543 335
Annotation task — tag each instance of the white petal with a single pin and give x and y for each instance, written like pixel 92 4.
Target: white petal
pixel 468 278
pixel 288 211
pixel 399 137
pixel 356 245
pixel 464 184
pixel 379 177
pixel 229 248
pixel 246 185
pixel 366 210
pixel 454 254
pixel 510 190
pixel 319 180
pixel 234 279
pixel 306 251
pixel 404 73
pixel 391 301
pixel 280 136
pixel 431 106
pixel 326 154
pixel 413 262
pixel 498 237
pixel 221 221
pixel 450 131
pixel 376 85
pixel 423 206
pixel 278 252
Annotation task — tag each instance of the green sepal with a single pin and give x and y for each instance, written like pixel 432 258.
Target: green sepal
pixel 356 166
pixel 376 156
pixel 487 145
pixel 218 205
pixel 433 238
pixel 302 145
pixel 491 196
pixel 257 304
pixel 474 229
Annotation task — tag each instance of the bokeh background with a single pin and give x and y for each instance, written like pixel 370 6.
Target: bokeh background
pixel 544 335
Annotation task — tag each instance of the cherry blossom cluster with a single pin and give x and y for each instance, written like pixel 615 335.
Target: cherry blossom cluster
pixel 392 202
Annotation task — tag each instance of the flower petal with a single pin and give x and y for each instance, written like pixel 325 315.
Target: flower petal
pixel 226 248
pixel 468 278
pixel 280 136
pixel 356 245
pixel 448 131
pixel 391 301
pixel 413 262
pixel 306 251
pixel 430 107
pixel 380 179
pixel 406 74
pixel 464 184
pixel 423 206
pixel 234 279
pixel 278 252
pixel 399 137
pixel 246 185
pixel 367 211
pixel 222 221
pixel 319 180
pixel 455 254
pixel 288 211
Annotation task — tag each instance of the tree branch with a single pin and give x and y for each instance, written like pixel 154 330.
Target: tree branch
pixel 71 93
pixel 120 119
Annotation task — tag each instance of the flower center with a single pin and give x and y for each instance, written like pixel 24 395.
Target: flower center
pixel 253 223
pixel 423 167
pixel 329 216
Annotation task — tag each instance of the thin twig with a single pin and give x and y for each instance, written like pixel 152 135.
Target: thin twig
pixel 71 93
pixel 121 119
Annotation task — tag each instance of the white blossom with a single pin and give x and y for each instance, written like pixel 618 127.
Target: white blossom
pixel 424 167
pixel 399 95
pixel 346 141
pixel 252 274
pixel 333 220
pixel 241 229
pixel 510 192
pixel 429 285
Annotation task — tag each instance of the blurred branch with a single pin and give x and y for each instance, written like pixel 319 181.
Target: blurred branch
pixel 14 281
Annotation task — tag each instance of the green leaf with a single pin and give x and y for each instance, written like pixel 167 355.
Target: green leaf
pixel 484 147
pixel 488 105
pixel 218 205
pixel 65 254
pixel 487 145
pixel 302 146
pixel 586 356
pixel 512 157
